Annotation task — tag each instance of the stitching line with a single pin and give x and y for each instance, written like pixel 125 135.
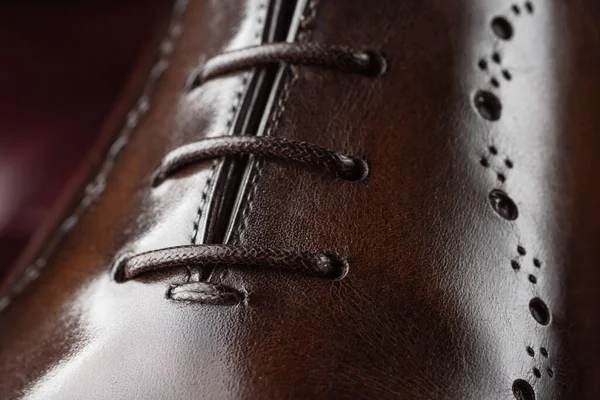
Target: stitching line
pixel 93 189
pixel 239 92
pixel 203 200
pixel 304 34
pixel 238 98
pixel 273 124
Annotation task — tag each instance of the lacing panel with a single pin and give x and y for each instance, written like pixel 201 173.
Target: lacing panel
pixel 337 163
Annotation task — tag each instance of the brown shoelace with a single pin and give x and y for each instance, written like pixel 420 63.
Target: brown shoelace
pixel 339 164
pixel 342 58
pixel 322 264
pixel 344 166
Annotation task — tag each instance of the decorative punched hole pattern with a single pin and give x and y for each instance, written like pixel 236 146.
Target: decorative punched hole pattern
pixel 503 205
pixel 502 28
pixel 537 371
pixel 539 311
pixel 497 163
pixel 488 104
pixel 516 9
pixel 493 69
pixel 516 264
pixel 522 390
pixel 529 7
pixel 530 351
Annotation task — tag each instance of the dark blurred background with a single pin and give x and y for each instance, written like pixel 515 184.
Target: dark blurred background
pixel 63 66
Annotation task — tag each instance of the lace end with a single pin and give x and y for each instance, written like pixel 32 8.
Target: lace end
pixel 206 293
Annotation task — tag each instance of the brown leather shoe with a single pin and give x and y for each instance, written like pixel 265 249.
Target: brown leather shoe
pixel 331 200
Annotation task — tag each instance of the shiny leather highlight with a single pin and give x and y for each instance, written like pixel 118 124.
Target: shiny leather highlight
pixel 471 243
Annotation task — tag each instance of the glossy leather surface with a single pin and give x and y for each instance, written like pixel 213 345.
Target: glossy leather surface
pixel 438 300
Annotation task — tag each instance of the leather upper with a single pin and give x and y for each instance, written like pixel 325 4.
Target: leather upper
pixel 471 243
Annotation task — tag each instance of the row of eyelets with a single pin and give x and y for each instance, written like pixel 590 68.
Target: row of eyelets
pixel 353 168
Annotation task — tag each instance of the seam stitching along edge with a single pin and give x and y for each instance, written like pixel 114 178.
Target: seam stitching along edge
pixel 237 102
pixel 97 185
pixel 304 34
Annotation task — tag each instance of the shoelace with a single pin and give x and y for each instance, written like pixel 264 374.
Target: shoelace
pixel 344 166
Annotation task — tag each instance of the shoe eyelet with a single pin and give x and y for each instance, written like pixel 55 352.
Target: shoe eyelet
pixel 340 267
pixel 377 63
pixel 157 177
pixel 117 271
pixel 193 81
pixel 356 170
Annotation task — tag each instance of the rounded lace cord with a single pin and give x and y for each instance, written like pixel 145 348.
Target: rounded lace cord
pixel 336 57
pixel 321 264
pixel 344 166
pixel 341 165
